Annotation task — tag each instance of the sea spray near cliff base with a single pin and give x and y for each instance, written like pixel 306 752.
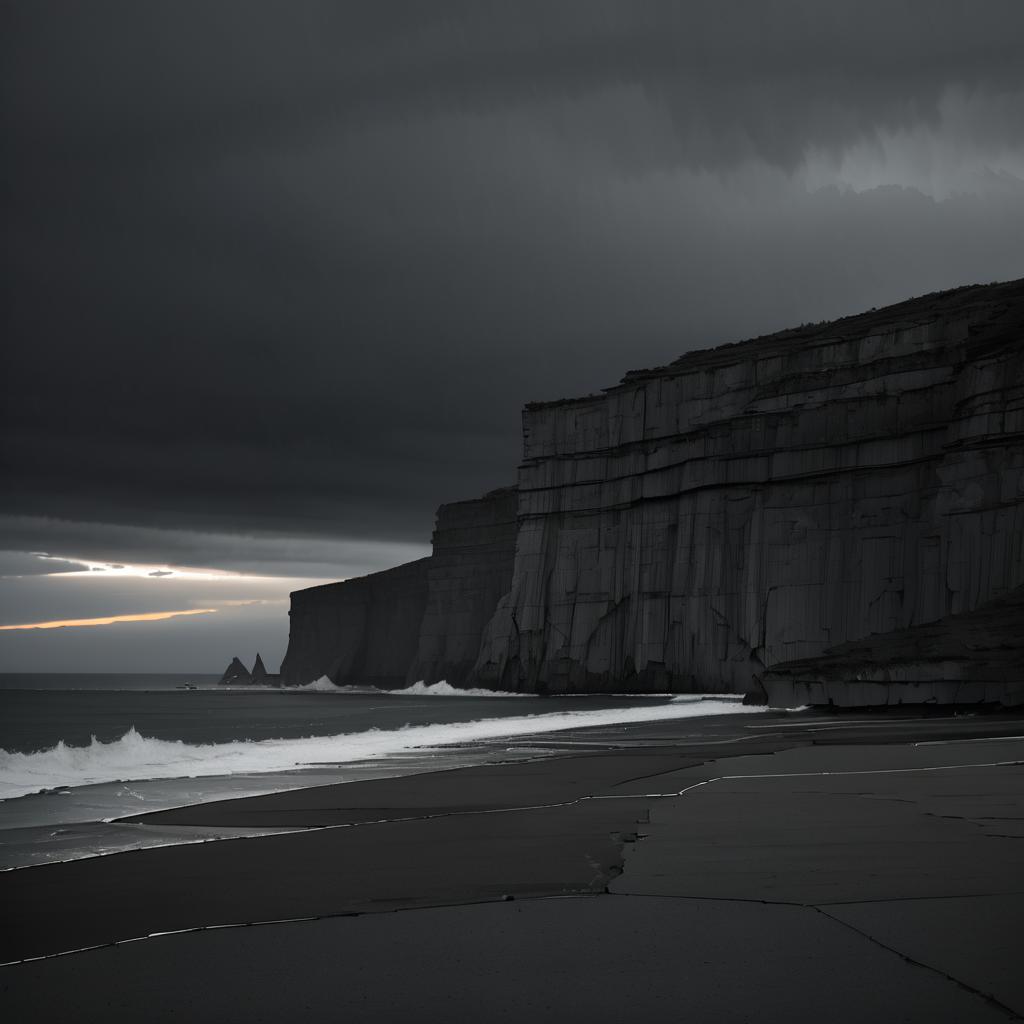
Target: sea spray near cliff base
pixel 137 757
pixel 442 688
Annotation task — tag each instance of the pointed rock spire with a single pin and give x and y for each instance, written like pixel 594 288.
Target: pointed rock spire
pixel 236 674
pixel 259 670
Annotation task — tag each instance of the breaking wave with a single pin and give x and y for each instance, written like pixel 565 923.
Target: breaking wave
pixel 442 688
pixel 321 685
pixel 135 757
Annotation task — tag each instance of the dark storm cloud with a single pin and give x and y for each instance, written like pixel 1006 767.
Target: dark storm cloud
pixel 292 270
pixel 775 76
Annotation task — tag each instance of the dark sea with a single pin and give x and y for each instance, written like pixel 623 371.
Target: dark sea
pixel 79 751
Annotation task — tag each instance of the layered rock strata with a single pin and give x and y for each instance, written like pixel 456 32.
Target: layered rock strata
pixel 761 502
pixel 420 621
pixel 973 658
pixel 469 572
pixel 702 523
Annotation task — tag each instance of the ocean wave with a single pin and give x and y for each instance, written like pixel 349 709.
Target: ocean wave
pixel 135 757
pixel 442 688
pixel 321 685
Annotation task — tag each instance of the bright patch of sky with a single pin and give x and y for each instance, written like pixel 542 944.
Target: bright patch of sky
pixel 964 149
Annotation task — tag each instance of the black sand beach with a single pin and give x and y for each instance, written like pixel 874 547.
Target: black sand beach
pixel 763 867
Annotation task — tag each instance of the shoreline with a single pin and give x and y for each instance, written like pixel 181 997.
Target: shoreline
pixel 804 811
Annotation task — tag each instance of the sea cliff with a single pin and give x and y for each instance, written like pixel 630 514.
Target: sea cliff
pixel 745 507
pixel 469 571
pixel 417 622
pixel 359 630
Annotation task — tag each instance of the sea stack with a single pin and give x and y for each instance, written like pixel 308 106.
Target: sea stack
pixel 236 674
pixel 719 523
pixel 259 670
pixel 260 675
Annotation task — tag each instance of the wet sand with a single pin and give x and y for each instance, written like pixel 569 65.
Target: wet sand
pixel 755 867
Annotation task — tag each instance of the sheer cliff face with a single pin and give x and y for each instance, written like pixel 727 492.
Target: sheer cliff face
pixel 762 502
pixel 420 621
pixel 361 631
pixel 469 571
pixel 741 511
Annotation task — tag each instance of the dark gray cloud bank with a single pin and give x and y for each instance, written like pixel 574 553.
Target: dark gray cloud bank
pixel 279 277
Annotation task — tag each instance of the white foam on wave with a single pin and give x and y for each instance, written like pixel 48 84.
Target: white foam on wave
pixel 321 685
pixel 442 688
pixel 134 757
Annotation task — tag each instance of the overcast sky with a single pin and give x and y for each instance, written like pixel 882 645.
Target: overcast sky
pixel 279 277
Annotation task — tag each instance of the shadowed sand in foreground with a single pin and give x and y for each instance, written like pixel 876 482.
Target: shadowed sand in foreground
pixel 801 867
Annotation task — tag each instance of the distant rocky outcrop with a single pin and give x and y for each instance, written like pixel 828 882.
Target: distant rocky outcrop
pixel 236 674
pixel 260 675
pixel 700 524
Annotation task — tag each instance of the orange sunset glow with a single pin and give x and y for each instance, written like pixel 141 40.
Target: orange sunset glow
pixel 109 620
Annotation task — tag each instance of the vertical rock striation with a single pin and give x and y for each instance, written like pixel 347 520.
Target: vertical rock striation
pixel 719 523
pixel 469 572
pixel 360 631
pixel 420 621
pixel 760 502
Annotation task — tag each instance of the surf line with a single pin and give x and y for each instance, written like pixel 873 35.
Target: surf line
pixel 800 775
pixel 270 832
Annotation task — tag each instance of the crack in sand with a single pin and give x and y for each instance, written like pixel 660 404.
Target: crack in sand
pixel 980 993
pixel 532 807
pixel 195 929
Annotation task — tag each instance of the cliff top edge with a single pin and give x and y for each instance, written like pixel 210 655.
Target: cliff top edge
pixel 921 309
